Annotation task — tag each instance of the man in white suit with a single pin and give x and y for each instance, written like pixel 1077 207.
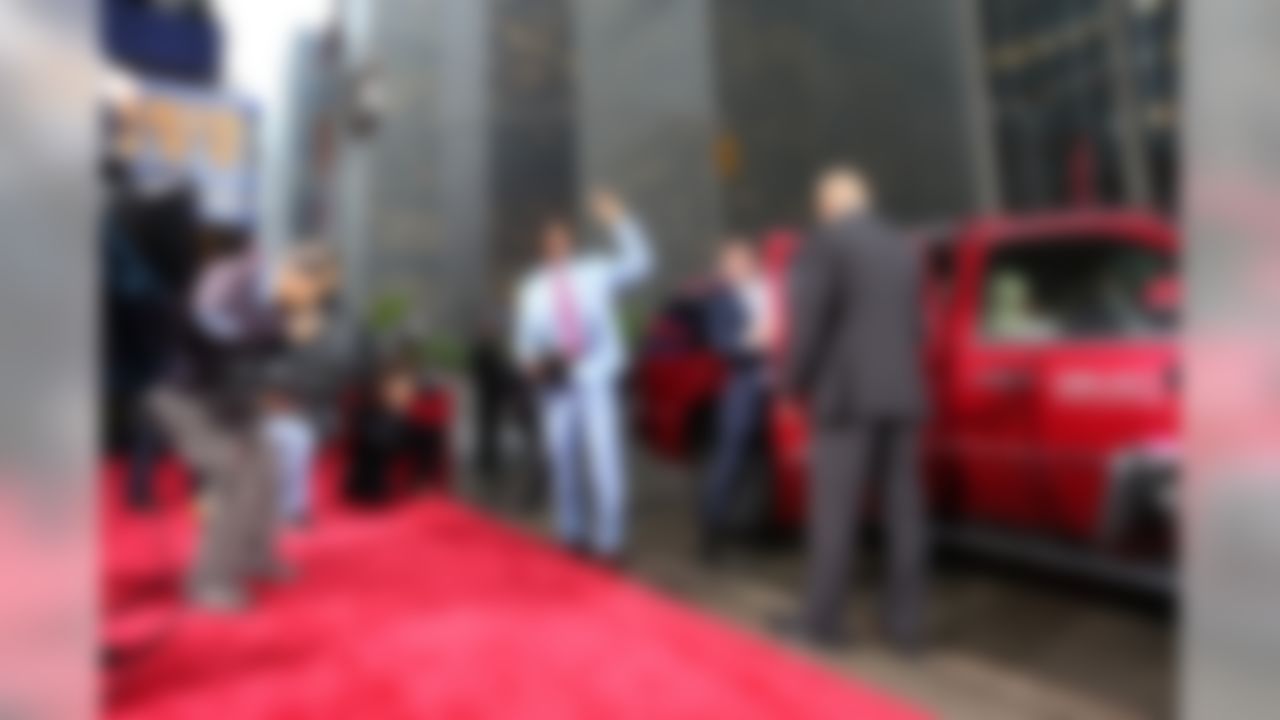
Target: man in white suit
pixel 568 339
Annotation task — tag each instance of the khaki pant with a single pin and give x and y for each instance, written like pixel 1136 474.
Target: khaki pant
pixel 238 496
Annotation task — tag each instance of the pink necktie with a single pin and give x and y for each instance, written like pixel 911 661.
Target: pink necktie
pixel 570 327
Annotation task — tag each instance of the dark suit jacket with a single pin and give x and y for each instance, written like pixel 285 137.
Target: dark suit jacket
pixel 726 321
pixel 856 324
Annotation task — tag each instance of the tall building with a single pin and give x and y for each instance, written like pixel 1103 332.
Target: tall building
pixel 531 127
pixel 806 83
pixel 713 116
pixel 646 119
pixel 426 225
pixel 1083 96
pixel 953 108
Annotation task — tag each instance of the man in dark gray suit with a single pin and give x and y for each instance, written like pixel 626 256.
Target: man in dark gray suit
pixel 854 362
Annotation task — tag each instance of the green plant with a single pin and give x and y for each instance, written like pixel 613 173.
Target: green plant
pixel 389 318
pixel 442 353
pixel 388 312
pixel 633 318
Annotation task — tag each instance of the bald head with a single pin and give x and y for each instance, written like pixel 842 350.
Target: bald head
pixel 840 192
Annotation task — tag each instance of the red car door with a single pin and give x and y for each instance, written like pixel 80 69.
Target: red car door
pixel 988 415
pixel 1100 402
pixel 992 426
pixel 1107 380
pixel 1062 366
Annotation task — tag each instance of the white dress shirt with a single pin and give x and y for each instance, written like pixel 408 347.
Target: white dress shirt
pixel 592 283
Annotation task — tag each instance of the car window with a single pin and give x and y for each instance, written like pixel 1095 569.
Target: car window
pixel 1074 287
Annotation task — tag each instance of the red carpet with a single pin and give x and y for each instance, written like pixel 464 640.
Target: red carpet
pixel 431 610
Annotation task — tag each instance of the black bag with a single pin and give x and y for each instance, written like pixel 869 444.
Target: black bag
pixel 551 372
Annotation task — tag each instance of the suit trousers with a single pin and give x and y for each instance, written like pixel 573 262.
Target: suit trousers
pixel 741 413
pixel 238 504
pixel 580 421
pixel 844 458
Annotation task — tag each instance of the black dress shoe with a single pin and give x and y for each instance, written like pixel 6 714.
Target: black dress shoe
pixel 795 630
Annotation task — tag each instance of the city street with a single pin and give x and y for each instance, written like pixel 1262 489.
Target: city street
pixel 1006 643
pixel 740 255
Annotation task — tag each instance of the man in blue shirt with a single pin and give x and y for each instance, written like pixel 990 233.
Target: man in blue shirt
pixel 741 324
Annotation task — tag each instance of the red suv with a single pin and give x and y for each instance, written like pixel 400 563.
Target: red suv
pixel 1052 358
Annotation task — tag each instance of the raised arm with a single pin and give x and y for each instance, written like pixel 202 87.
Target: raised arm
pixel 631 259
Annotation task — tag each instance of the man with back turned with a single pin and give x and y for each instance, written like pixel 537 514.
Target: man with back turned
pixel 854 363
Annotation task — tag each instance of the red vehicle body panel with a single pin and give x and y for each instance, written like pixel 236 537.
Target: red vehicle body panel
pixel 676 381
pixel 1023 435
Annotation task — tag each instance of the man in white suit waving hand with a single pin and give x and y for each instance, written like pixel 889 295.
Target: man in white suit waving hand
pixel 567 338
